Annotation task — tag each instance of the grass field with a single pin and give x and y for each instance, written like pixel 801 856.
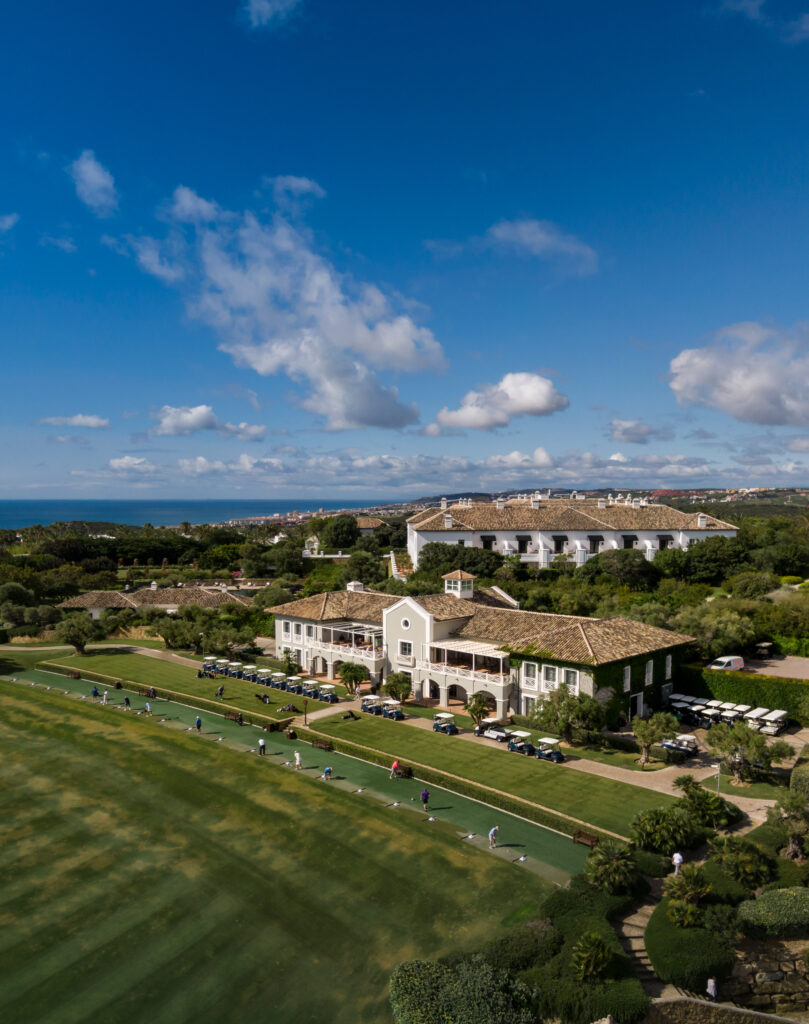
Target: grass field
pixel 141 669
pixel 601 802
pixel 153 876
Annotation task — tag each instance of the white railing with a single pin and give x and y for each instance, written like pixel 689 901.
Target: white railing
pixel 458 672
pixel 347 650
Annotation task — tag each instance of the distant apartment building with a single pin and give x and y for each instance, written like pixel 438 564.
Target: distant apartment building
pixel 469 640
pixel 539 529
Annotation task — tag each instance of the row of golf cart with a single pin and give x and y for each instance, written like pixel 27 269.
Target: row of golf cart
pixel 382 707
pixel 703 714
pixel 325 692
pixel 546 749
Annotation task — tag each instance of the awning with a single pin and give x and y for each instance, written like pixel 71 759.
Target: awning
pixel 354 627
pixel 469 647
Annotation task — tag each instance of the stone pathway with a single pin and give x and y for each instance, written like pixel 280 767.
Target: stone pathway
pixel 631 931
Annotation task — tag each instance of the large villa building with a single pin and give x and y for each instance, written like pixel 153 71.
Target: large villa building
pixel 540 529
pixel 470 640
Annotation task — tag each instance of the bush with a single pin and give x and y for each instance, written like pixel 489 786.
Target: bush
pixel 665 829
pixel 722 920
pixel 790 581
pixel 653 864
pixel 685 957
pixel 777 913
pixel 524 946
pixel 738 866
pixel 799 779
pixel 745 688
pixel 724 889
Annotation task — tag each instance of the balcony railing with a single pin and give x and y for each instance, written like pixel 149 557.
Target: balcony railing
pixel 462 672
pixel 347 650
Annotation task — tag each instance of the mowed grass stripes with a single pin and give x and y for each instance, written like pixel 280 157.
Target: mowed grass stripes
pixel 599 801
pixel 148 875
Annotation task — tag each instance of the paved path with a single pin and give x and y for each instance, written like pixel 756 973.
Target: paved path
pixel 631 931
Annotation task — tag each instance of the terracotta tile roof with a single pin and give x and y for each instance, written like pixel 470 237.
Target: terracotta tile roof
pixel 202 597
pixel 99 599
pixel 362 605
pixel 458 574
pixel 556 514
pixel 368 522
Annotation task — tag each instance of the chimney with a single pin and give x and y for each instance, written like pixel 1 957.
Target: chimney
pixel 602 503
pixel 702 521
pixel 534 502
pixel 447 522
pixel 443 503
pixel 636 503
pixel 355 587
pixel 500 503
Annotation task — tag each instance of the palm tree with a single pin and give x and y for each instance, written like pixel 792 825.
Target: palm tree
pixel 477 707
pixel 791 813
pixel 590 957
pixel 611 866
pixel 690 886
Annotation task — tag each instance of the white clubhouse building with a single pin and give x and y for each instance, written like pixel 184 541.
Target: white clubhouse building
pixel 468 641
pixel 540 529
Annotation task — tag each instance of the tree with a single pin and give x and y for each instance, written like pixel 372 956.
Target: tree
pixel 590 957
pixel 741 859
pixel 648 731
pixel 290 662
pixel 791 814
pixel 477 707
pixel 365 567
pixel 398 685
pixel 340 532
pixel 77 630
pixel 562 712
pixel 611 866
pixel 627 567
pixel 717 628
pixel 664 829
pixel 705 807
pixel 742 748
pixel 351 673
pixel 690 886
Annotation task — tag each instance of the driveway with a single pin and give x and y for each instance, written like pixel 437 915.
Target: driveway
pixel 789 666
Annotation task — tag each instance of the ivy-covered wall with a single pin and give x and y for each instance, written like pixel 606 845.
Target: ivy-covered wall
pixel 774 692
pixel 611 677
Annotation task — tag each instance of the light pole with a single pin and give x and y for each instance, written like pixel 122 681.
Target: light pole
pixel 718 775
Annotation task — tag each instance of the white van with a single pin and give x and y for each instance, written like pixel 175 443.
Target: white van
pixel 730 663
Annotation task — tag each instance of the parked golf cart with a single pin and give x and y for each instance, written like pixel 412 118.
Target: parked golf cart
pixel 371 704
pixel 498 732
pixel 486 723
pixel 685 743
pixel 391 709
pixel 548 750
pixel 445 722
pixel 327 693
pixel 519 743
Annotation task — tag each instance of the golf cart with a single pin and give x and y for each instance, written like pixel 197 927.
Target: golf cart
pixel 486 723
pixel 445 722
pixel 519 743
pixel 497 732
pixel 371 704
pixel 685 743
pixel 327 693
pixel 548 750
pixel 774 723
pixel 392 709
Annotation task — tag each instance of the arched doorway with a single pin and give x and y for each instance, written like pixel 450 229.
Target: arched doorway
pixel 456 696
pixel 434 692
pixel 491 701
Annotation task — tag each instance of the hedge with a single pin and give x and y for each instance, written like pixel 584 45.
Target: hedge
pixel 777 913
pixel 463 787
pixel 724 889
pixel 799 779
pixel 218 707
pixel 798 645
pixel 774 692
pixel 685 957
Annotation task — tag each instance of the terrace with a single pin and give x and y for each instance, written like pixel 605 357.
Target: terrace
pixel 468 660
pixel 349 639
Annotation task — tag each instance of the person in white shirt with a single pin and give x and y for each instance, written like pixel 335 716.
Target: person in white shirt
pixel 493 837
pixel 261 746
pixel 710 989
pixel 677 861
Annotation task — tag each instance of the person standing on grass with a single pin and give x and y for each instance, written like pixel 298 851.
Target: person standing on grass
pixel 394 769
pixel 127 704
pixel 147 708
pixel 198 724
pixel 710 989
pixel 261 746
pixel 425 798
pixel 95 694
pixel 298 764
pixel 493 837
pixel 677 861
pixel 104 698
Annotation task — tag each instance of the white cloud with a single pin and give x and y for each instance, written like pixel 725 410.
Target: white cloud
pixel 79 420
pixel 517 394
pixel 289 187
pixel 279 306
pixel 799 444
pixel 545 240
pixel 266 12
pixel 7 222
pixel 637 432
pixel 65 244
pixel 180 421
pixel 188 207
pixel 131 464
pixel 618 457
pixel 95 186
pixel 753 373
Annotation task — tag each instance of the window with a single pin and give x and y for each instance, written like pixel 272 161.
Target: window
pixel 559 545
pixel 627 678
pixel 453 586
pixel 405 623
pixel 549 677
pixel 664 541
pixel 630 540
pixel 310 631
pixel 668 666
pixel 286 628
pixel 488 540
pixel 297 629
pixel 529 673
pixel 461 543
pixel 595 544
pixel 650 668
pixel 522 543
pixel 405 648
pixel 529 704
pixel 572 680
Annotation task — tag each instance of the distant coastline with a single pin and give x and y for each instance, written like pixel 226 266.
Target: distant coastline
pixel 15 515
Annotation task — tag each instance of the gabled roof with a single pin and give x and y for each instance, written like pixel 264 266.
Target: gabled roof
pixel 458 574
pixel 163 597
pixel 560 514
pixel 369 522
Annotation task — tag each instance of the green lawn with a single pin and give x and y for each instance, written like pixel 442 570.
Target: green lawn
pixel 146 671
pixel 150 876
pixel 756 790
pixel 601 802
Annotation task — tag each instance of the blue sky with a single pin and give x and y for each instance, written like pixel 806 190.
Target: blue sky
pixel 291 247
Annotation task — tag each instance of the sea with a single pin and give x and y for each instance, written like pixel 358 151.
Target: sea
pixel 16 514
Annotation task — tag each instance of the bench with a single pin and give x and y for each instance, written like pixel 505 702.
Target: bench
pixel 585 838
pixel 323 744
pixel 236 716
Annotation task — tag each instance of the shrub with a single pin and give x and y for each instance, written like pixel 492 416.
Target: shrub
pixel 654 864
pixel 685 957
pixel 689 886
pixel 799 779
pixel 722 920
pixel 777 913
pixel 790 581
pixel 684 914
pixel 724 889
pixel 611 866
pixel 741 862
pixel 590 957
pixel 523 946
pixel 665 829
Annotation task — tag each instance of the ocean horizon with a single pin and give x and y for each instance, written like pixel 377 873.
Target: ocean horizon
pixel 14 515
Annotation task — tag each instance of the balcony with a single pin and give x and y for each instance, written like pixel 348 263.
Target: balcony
pixel 348 651
pixel 453 673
